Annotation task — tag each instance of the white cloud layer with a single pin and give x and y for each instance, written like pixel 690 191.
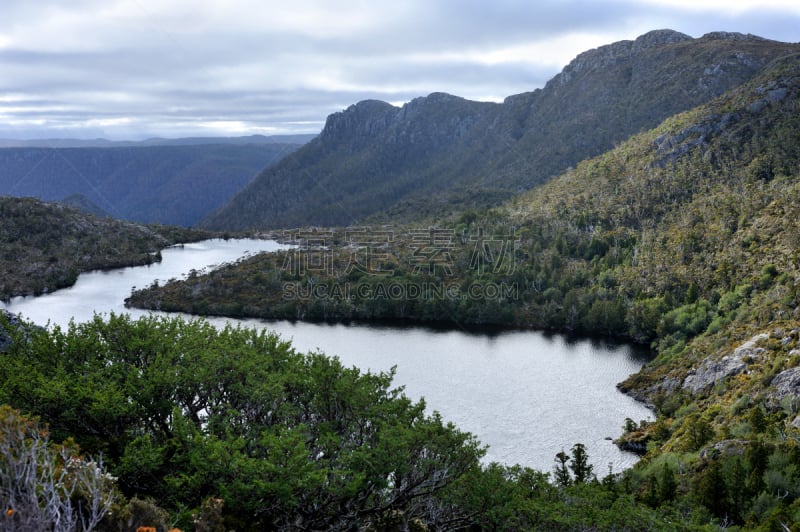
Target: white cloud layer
pixel 139 68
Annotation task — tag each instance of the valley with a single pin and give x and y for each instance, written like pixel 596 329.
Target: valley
pixel 646 194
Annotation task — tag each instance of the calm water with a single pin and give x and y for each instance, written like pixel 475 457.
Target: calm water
pixel 525 394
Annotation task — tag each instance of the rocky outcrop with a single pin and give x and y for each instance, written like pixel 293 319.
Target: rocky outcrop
pixel 785 385
pixel 637 447
pixel 363 120
pixel 645 394
pixel 734 447
pixel 612 54
pixel 732 36
pixel 712 371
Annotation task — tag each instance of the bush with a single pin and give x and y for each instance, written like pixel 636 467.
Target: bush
pixel 47 486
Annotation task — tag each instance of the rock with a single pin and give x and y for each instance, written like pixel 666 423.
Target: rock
pixel 736 447
pixel 11 323
pixel 632 446
pixel 711 371
pixel 784 384
pixel 655 38
pixel 731 36
pixel 618 52
pixel 363 119
pixel 645 395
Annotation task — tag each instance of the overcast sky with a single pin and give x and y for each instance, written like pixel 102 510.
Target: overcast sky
pixel 131 69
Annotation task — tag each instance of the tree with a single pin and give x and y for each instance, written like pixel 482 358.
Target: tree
pixel 735 482
pixel 579 464
pixel 698 432
pixel 667 486
pixel 711 491
pixel 757 455
pixel 651 496
pixel 184 411
pixel 561 472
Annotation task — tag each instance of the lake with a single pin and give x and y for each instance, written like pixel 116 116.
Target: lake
pixel 526 394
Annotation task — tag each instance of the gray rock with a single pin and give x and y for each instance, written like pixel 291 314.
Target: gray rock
pixel 731 36
pixel 711 371
pixel 777 95
pixel 785 384
pixel 667 386
pixel 735 447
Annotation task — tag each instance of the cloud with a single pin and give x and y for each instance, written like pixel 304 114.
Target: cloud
pixel 137 68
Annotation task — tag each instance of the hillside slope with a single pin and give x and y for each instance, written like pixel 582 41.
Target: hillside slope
pixel 441 153
pixel 44 246
pixel 166 184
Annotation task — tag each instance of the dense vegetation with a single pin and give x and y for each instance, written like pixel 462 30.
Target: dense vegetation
pixel 174 185
pixel 685 237
pixel 44 246
pixel 442 153
pixel 232 429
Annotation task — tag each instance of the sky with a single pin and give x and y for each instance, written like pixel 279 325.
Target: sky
pixel 134 69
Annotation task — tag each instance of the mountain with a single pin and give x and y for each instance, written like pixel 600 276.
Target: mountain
pixel 44 246
pixel 673 215
pixel 685 237
pixel 175 185
pixel 441 153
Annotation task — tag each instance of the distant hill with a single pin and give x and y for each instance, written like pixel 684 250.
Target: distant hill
pixel 85 205
pixel 168 184
pixel 185 141
pixel 439 154
pixel 44 246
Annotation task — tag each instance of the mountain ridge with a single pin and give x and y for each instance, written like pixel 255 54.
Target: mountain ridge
pixel 441 154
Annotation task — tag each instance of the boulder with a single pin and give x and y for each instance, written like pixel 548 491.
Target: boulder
pixel 735 447
pixel 784 384
pixel 712 371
